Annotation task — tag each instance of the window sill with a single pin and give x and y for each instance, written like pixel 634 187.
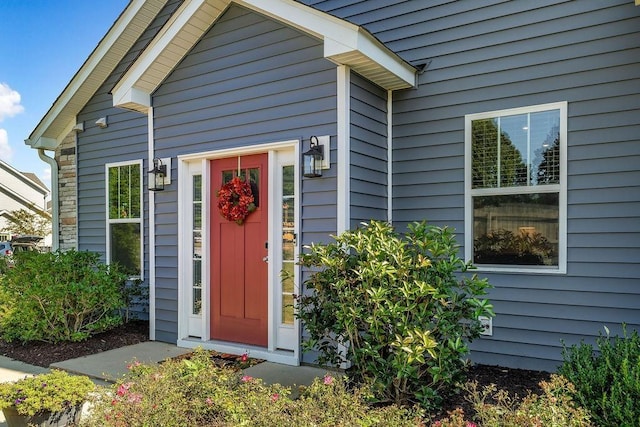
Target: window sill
pixel 519 270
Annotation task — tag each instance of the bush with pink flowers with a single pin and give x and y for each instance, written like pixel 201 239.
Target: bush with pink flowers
pixel 196 392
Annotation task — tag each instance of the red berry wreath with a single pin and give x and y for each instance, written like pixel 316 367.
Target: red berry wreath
pixel 235 200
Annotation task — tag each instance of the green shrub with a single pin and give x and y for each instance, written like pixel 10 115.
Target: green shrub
pixel 53 392
pixel 554 407
pixel 397 306
pixel 607 380
pixel 197 392
pixel 5 264
pixel 60 296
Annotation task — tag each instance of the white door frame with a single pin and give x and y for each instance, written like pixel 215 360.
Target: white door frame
pixel 200 161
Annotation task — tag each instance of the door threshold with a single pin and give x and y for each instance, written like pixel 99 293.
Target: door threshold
pixel 284 357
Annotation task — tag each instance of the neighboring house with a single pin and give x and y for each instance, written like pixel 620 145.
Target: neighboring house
pixel 21 190
pixel 517 123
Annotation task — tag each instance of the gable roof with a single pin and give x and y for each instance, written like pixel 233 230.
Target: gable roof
pixel 344 43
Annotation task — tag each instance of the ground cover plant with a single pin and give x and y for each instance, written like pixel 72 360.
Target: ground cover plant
pixel 395 307
pixel 607 379
pixel 60 296
pixel 197 392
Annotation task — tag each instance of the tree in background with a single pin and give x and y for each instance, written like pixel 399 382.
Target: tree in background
pixel 32 223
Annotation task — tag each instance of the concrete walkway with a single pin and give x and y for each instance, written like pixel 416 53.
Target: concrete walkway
pixel 109 366
pixel 112 365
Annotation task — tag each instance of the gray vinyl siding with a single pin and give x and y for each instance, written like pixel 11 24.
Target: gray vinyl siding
pixel 124 139
pixel 368 171
pixel 250 80
pixel 490 55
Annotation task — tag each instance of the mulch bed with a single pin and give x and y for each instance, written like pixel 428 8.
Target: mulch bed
pixel 225 360
pixel 44 354
pixel 517 382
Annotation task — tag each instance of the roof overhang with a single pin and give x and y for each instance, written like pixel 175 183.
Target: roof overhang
pixel 126 30
pixel 344 43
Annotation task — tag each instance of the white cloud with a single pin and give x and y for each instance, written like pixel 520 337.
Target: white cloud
pixel 9 102
pixel 6 152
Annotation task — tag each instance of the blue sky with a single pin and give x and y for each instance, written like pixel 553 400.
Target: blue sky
pixel 42 45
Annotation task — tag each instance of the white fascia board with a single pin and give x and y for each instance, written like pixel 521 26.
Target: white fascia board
pixel 93 62
pixel 307 19
pixel 163 39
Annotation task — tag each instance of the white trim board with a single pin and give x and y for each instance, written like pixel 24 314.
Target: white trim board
pixel 271 352
pixel 560 188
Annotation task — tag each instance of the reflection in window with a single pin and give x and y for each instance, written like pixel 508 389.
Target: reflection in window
pixel 125 247
pixel 124 201
pixel 516 229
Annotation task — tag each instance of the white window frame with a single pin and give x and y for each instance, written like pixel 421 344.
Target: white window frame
pixel 560 188
pixel 139 220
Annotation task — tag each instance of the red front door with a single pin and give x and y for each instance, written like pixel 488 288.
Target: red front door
pixel 239 271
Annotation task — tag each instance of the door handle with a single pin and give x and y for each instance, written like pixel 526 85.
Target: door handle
pixel 265 259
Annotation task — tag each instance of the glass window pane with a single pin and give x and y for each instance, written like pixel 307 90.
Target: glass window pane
pixel 197 301
pixel 484 157
pixel 227 176
pixel 197 244
pixel 197 188
pixel 125 247
pixel 288 205
pixel 517 229
pixel 197 216
pixel 113 193
pixel 134 189
pixel 287 181
pixel 545 147
pixel 197 273
pixel 287 275
pixel 514 131
pixel 288 245
pixel 287 309
pixel 254 181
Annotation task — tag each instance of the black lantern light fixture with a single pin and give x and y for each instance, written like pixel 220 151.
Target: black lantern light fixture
pixel 312 159
pixel 157 175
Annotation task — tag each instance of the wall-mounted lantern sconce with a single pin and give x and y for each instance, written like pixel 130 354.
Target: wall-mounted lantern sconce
pixel 313 159
pixel 157 175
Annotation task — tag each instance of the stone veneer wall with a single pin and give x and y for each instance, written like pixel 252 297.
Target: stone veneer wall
pixel 67 195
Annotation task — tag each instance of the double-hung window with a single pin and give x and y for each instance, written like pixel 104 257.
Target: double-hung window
pixel 515 188
pixel 124 216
